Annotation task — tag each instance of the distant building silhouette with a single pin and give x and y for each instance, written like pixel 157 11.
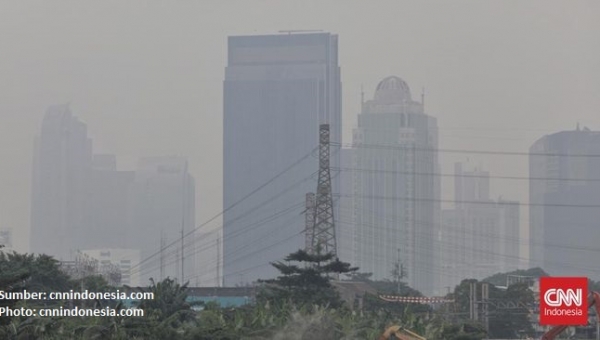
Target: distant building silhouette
pixel 62 168
pixel 396 199
pixel 564 237
pixel 277 90
pixel 162 201
pixel 479 237
pixel 109 205
pixel 126 260
pixel 345 216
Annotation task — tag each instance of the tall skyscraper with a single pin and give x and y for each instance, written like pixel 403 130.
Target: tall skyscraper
pixel 396 192
pixel 162 201
pixel 563 232
pixel 480 236
pixel 277 90
pixel 61 176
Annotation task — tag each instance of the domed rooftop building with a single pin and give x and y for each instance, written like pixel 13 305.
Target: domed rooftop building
pixel 390 128
pixel 392 95
pixel 392 89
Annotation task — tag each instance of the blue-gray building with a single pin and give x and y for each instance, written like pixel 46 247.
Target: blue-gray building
pixel 62 167
pixel 277 90
pixel 563 190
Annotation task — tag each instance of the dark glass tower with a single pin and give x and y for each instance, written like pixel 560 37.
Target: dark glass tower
pixel 277 90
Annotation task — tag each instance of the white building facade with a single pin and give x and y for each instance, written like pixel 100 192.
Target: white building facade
pixel 396 192
pixel 127 260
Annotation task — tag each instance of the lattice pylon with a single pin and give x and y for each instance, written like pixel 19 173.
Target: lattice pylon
pixel 309 230
pixel 324 239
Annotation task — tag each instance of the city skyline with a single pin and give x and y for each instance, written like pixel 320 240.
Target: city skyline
pixel 499 101
pixel 502 75
pixel 83 202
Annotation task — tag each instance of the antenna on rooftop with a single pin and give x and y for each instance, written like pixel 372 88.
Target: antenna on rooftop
pixel 362 95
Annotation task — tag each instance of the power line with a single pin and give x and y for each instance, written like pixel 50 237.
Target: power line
pixel 467 151
pixel 245 270
pixel 231 206
pixel 411 199
pixel 238 232
pixel 449 242
pixel 410 173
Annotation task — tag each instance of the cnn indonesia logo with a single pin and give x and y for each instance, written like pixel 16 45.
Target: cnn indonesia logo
pixel 563 301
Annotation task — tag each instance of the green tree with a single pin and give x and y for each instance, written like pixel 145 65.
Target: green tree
pixel 35 273
pixel 42 271
pixel 396 310
pixel 511 323
pixel 167 315
pixel 12 279
pixel 500 279
pixel 307 281
pixel 463 331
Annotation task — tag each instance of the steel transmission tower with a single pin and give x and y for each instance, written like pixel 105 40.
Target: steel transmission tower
pixel 323 237
pixel 309 222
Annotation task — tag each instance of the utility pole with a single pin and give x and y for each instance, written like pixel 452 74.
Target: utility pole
pixel 182 276
pixel 398 272
pixel 485 294
pixel 473 301
pixel 183 212
pixel 479 308
pixel 218 261
pixel 163 243
pixel 324 239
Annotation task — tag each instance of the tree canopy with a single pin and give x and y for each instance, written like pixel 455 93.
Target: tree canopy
pixel 306 280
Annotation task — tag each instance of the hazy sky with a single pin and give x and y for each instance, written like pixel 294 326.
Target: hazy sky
pixel 146 76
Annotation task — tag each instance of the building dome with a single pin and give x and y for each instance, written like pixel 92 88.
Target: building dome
pixel 392 90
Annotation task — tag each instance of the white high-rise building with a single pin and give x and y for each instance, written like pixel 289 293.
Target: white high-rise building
pixel 396 192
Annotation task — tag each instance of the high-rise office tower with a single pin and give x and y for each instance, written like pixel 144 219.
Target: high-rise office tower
pixel 396 197
pixel 162 201
pixel 563 232
pixel 60 186
pixel 277 90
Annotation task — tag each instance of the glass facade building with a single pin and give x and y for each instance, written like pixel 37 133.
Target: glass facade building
pixel 277 90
